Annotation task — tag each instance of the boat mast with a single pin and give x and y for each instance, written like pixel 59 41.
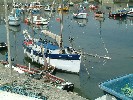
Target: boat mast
pixel 8 42
pixel 61 22
pixel 52 8
pixel 32 22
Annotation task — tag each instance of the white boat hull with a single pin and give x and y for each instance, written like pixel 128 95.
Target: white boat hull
pixel 80 15
pixel 66 65
pixel 15 23
pixel 61 64
pixel 69 62
pixel 130 15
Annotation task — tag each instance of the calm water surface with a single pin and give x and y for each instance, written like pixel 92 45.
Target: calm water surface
pixel 104 37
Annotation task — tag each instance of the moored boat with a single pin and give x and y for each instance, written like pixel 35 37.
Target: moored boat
pixel 13 20
pixel 93 7
pixel 67 60
pixel 99 14
pixel 65 8
pixel 30 70
pixel 81 13
pixel 35 5
pixel 49 8
pixel 37 19
pixel 3 46
pixel 130 12
pixel 118 14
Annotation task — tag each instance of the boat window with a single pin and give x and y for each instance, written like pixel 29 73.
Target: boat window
pixel 63 51
pixel 68 49
pixel 47 51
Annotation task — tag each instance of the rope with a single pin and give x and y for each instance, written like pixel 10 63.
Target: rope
pixel 104 45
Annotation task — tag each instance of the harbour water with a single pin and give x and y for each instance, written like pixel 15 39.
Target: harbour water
pixel 104 37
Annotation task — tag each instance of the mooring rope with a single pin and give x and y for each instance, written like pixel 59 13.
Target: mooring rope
pixel 104 45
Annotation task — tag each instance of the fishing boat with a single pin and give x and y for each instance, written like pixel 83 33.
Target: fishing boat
pixel 3 46
pixel 80 14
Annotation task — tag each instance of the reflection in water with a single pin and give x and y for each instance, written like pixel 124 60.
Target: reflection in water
pixel 130 20
pixel 2 19
pixel 120 20
pixel 81 22
pixel 100 19
pixel 40 27
pixel 15 28
pixel 3 52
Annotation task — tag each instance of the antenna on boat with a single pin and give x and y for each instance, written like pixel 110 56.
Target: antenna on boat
pixel 8 42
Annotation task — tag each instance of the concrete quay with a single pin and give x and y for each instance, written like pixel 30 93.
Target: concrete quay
pixel 39 86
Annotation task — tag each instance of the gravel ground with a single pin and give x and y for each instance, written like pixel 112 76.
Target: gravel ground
pixel 38 86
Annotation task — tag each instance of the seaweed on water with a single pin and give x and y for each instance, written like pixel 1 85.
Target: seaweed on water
pixel 127 90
